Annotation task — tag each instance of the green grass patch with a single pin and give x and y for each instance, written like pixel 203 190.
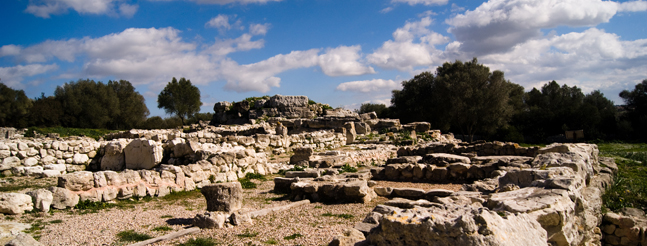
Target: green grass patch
pixel 56 221
pixel 255 176
pixel 247 234
pixel 271 241
pixel 166 216
pixel 293 236
pixel 132 236
pixel 182 195
pixel 343 216
pixel 66 132
pixel 630 184
pixel 247 184
pixel 347 169
pixel 162 228
pixel 201 241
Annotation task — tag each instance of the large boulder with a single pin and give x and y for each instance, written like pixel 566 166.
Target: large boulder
pixel 63 198
pixel 41 198
pixel 113 158
pixel 283 102
pixel 455 225
pixel 77 181
pixel 143 154
pixel 225 197
pixel 9 162
pixel 15 203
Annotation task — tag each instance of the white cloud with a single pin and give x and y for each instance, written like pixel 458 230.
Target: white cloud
pixel 423 2
pixel 224 2
pixel 366 86
pixel 242 43
pixel 220 21
pixel 386 10
pixel 13 76
pixel 412 45
pixel 498 25
pixel 456 8
pixel 633 6
pixel 46 8
pixel 343 61
pixel 261 76
pixel 258 29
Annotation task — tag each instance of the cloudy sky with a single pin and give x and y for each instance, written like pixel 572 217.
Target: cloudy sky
pixel 340 52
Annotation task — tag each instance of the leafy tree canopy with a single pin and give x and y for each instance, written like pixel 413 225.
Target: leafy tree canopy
pixel 14 107
pixel 180 98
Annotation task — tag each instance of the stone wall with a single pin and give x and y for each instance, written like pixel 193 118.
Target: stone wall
pixel 627 227
pixel 480 148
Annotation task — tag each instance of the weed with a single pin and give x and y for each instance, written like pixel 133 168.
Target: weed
pixel 162 228
pixel 166 216
pixel 246 183
pixel 347 169
pixel 293 236
pixel 295 168
pixel 247 234
pixel 318 206
pixel 132 236
pixel 201 241
pixel 344 216
pixel 630 184
pixel 56 221
pixel 271 241
pixel 212 178
pixel 255 176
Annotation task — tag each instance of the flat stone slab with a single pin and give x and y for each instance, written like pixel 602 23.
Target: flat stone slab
pixel 527 200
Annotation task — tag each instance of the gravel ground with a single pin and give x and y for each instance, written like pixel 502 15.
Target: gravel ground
pixel 306 224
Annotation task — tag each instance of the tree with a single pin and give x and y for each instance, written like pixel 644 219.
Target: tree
pixel 46 112
pixel 478 101
pixel 132 107
pixel 180 98
pixel 415 101
pixel 87 104
pixel 380 109
pixel 636 103
pixel 14 107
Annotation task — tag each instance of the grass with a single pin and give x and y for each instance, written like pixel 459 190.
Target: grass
pixel 94 207
pixel 271 241
pixel 247 234
pixel 166 216
pixel 66 132
pixel 246 182
pixel 56 221
pixel 293 236
pixel 201 241
pixel 344 216
pixel 132 236
pixel 162 228
pixel 630 184
pixel 347 169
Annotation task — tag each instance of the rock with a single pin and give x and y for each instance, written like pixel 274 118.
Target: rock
pixel 383 191
pixel 143 154
pixel 283 102
pixel 349 237
pixel 442 159
pixel 408 193
pixel 77 181
pixel 439 193
pixel 303 174
pixel 23 239
pixel 528 199
pixel 241 219
pixel 31 161
pixel 15 203
pixel 114 158
pixel 456 225
pixel 80 159
pixel 301 154
pixel 9 162
pixel 210 220
pixel 41 199
pixel 63 198
pixel 226 197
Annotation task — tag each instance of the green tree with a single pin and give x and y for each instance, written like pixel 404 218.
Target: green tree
pixel 132 107
pixel 636 104
pixel 46 112
pixel 180 98
pixel 415 101
pixel 87 104
pixel 478 100
pixel 380 109
pixel 14 107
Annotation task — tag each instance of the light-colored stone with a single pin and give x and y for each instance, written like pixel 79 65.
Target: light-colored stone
pixel 143 154
pixel 210 220
pixel 41 198
pixel 15 203
pixel 226 197
pixel 63 198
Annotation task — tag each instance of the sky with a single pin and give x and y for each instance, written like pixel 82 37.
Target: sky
pixel 340 52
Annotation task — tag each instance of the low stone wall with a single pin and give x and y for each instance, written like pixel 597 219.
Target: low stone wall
pixel 480 149
pixel 552 198
pixel 628 227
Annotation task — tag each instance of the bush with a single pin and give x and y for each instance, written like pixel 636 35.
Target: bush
pixel 347 169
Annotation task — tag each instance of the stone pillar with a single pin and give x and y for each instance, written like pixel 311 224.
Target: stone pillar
pixel 226 197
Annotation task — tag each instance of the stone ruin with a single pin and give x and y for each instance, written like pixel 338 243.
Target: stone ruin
pixel 511 195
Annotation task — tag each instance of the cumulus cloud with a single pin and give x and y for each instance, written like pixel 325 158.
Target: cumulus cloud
pixel 498 25
pixel 423 2
pixel 258 29
pixel 46 8
pixel 343 61
pixel 633 6
pixel 242 43
pixel 13 76
pixel 366 86
pixel 220 21
pixel 224 2
pixel 412 45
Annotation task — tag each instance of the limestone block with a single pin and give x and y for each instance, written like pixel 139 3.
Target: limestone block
pixel 349 237
pixel 81 159
pixel 227 197
pixel 210 220
pixel 77 181
pixel 15 203
pixel 442 159
pixel 63 198
pixel 41 198
pixel 113 158
pixel 9 162
pixel 143 154
pixel 23 239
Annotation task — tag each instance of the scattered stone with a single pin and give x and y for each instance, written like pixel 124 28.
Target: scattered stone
pixel 15 203
pixel 225 197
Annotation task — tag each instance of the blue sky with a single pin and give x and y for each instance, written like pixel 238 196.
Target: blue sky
pixel 343 53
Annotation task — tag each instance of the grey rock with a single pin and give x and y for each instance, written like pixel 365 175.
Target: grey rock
pixel 23 239
pixel 226 197
pixel 63 198
pixel 210 220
